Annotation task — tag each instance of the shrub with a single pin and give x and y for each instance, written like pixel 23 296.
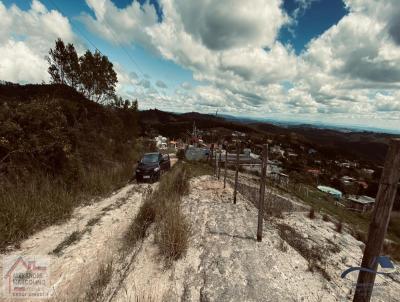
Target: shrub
pixel 56 153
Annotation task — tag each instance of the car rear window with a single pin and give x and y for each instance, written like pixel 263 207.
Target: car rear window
pixel 150 158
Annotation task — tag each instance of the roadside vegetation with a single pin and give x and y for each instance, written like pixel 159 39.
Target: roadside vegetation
pixel 58 149
pixel 163 208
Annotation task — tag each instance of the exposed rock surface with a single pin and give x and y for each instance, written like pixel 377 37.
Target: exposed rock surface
pixel 225 263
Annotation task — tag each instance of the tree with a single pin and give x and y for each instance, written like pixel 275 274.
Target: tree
pixel 97 76
pixel 72 67
pixel 91 74
pixel 64 64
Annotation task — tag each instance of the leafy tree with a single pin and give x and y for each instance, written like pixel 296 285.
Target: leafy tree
pixel 92 74
pixel 64 64
pixel 97 76
pixel 73 67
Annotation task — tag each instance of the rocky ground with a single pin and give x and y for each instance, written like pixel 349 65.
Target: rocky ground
pixel 225 262
pixel 299 259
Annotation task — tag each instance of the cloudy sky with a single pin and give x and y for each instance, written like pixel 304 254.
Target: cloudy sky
pixel 332 61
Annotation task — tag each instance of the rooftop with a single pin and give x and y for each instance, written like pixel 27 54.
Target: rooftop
pixel 361 199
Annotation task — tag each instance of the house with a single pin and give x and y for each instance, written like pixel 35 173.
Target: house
pixel 367 173
pixel 314 172
pixel 363 184
pixel 347 180
pixel 238 134
pixel 292 154
pixel 276 149
pixel 161 142
pixel 312 151
pixel 331 191
pixel 360 203
pixel 173 144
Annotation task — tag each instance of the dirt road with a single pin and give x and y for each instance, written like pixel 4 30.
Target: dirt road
pixel 90 238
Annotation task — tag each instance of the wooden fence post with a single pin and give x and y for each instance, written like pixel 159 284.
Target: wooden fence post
pixel 216 165
pixel 236 172
pixel 379 223
pixel 219 163
pixel 225 166
pixel 262 192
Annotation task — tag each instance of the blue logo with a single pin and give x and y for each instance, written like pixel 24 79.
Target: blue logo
pixel 383 261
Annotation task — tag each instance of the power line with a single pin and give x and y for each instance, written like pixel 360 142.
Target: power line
pixel 77 28
pixel 114 38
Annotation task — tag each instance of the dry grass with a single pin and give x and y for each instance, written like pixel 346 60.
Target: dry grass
pixel 172 234
pixel 162 207
pixel 315 255
pixel 393 249
pixel 97 287
pixel 282 246
pixel 28 207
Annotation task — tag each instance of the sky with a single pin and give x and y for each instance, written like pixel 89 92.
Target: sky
pixel 325 61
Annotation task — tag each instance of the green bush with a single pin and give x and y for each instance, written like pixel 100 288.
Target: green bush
pixel 57 150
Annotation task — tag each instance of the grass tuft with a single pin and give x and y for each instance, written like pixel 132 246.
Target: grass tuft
pixel 97 287
pixel 163 207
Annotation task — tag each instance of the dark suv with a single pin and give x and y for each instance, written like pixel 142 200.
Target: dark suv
pixel 151 166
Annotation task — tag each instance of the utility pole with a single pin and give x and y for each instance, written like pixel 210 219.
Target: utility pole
pixel 379 223
pixel 262 192
pixel 236 171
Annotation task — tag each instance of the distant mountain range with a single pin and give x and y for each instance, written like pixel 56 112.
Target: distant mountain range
pixel 340 143
pixel 316 124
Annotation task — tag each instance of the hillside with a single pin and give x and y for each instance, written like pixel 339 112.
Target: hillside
pixel 57 149
pixel 366 146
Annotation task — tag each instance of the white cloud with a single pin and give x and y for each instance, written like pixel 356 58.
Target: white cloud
pixel 18 63
pixel 121 26
pixel 186 86
pixel 25 39
pixel 161 84
pixel 228 24
pixel 231 47
pixel 144 83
